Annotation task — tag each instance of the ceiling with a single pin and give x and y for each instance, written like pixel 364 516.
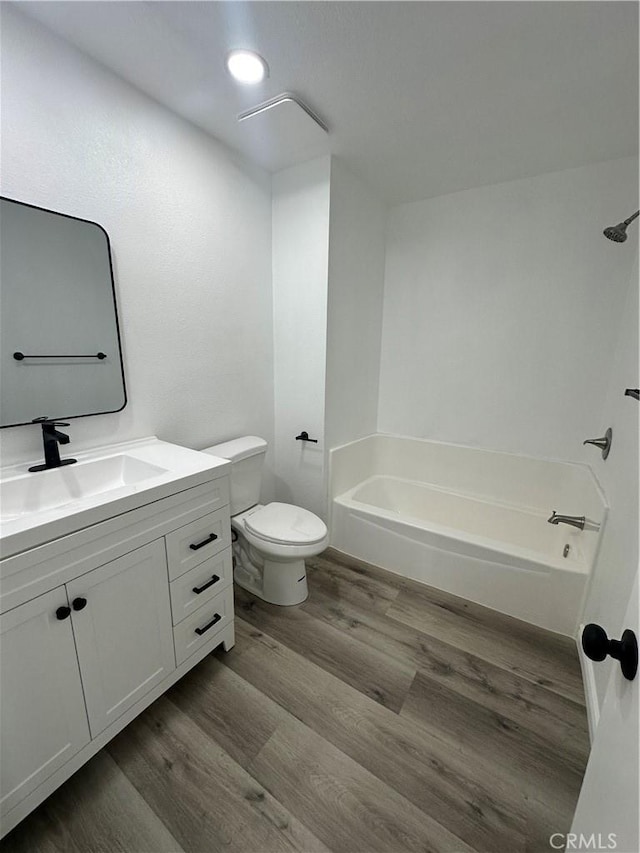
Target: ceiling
pixel 421 98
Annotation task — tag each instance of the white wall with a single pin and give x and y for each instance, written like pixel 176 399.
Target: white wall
pixel 501 311
pixel 300 269
pixel 328 276
pixel 190 232
pixel 357 231
pixel 617 561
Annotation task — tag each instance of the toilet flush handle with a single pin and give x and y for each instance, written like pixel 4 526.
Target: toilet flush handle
pixel 304 436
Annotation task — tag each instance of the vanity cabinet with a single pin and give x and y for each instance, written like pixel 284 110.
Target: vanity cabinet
pixel 96 625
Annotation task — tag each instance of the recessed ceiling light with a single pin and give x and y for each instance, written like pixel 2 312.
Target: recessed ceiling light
pixel 245 66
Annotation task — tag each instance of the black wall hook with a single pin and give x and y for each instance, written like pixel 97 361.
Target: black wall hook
pixel 597 646
pixel 304 436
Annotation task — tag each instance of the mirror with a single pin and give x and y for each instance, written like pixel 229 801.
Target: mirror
pixel 60 354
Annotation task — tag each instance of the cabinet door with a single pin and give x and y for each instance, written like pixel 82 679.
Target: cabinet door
pixel 43 721
pixel 123 632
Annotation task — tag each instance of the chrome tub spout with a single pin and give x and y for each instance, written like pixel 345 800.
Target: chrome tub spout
pixel 574 520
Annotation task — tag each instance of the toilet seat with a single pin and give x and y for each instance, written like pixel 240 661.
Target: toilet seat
pixel 285 524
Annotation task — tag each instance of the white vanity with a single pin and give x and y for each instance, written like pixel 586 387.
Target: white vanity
pixel 115 579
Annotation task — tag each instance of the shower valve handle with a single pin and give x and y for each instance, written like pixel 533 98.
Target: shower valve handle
pixel 603 443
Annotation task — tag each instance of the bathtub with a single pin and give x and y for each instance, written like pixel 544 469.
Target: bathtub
pixel 471 522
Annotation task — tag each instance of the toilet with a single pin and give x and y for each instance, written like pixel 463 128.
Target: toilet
pixel 271 541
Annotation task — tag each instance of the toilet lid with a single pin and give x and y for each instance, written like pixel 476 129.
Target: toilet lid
pixel 288 524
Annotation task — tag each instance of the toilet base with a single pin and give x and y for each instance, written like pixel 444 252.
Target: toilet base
pixel 278 582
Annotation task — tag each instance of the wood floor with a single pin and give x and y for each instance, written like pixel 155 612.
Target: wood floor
pixel 380 715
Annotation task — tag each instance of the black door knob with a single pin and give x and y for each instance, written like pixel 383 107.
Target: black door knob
pixel 595 642
pixel 79 603
pixel 63 612
pixel 597 646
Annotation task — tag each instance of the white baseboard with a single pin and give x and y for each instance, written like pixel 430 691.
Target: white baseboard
pixel 590 693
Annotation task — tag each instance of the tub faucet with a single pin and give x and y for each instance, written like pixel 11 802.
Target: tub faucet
pixel 573 520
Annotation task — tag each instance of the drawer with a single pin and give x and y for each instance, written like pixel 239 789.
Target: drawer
pixel 200 584
pixel 203 624
pixel 194 543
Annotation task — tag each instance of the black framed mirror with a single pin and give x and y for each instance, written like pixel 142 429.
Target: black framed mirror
pixel 60 350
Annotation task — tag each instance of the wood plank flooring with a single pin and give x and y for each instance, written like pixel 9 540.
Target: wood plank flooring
pixel 380 715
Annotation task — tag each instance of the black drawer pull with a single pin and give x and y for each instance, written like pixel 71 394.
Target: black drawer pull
pixel 216 618
pixel 199 589
pixel 210 538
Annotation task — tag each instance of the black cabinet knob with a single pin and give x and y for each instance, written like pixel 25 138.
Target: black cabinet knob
pixel 79 603
pixel 63 612
pixel 597 646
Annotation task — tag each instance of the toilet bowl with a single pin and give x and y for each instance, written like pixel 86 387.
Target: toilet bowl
pixel 271 541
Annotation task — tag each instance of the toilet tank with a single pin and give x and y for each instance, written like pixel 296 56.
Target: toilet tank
pixel 246 455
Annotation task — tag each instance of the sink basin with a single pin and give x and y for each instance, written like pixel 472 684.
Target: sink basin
pixel 37 507
pixel 61 486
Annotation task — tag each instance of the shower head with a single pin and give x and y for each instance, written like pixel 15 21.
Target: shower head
pixel 618 233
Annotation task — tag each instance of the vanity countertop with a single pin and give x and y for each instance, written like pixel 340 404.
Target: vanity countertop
pixel 106 481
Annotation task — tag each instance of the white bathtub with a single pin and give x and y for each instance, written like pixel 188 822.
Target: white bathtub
pixel 471 522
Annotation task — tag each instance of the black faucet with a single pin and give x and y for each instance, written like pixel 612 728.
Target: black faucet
pixel 51 438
